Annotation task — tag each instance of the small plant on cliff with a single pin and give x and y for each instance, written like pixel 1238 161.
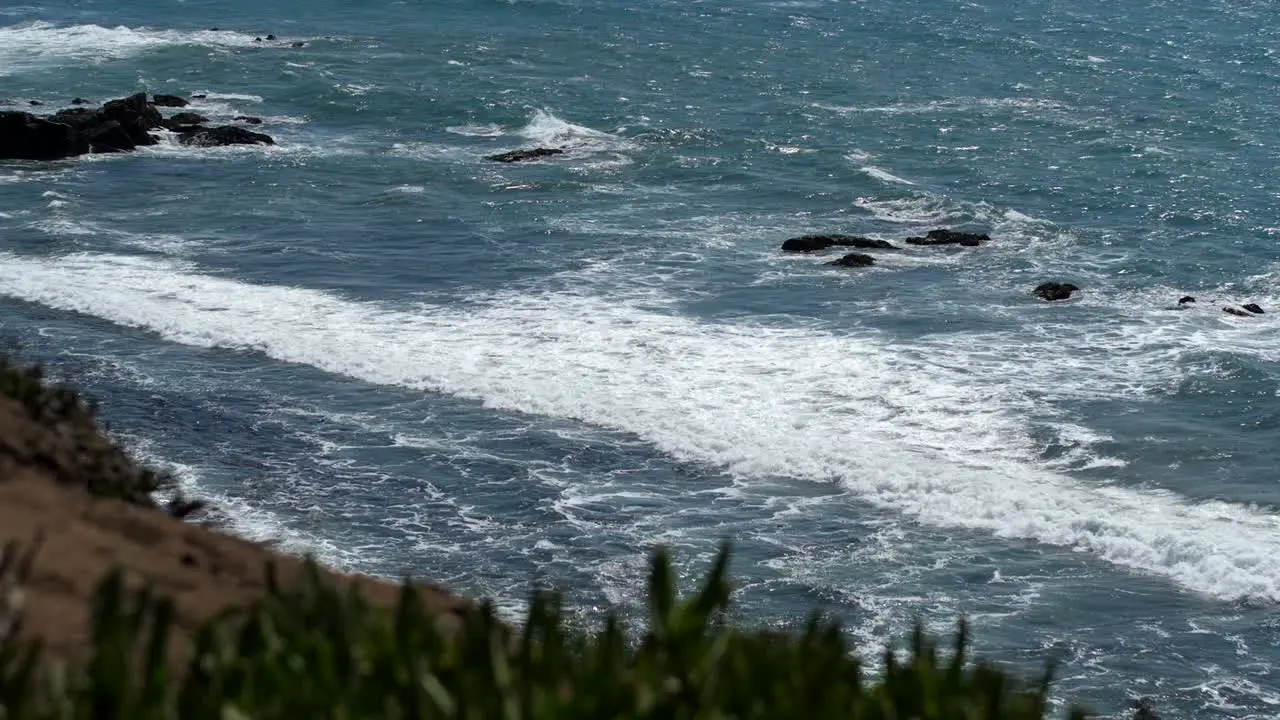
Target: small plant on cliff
pixel 63 439
pixel 312 651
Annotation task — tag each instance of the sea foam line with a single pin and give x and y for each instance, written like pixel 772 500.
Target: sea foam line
pixel 900 431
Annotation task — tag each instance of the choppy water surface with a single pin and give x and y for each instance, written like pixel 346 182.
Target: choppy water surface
pixel 370 343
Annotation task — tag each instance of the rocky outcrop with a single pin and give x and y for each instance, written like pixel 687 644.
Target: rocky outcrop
pixel 24 136
pixel 1052 291
pixel 814 243
pixel 853 260
pixel 950 237
pixel 224 135
pixel 249 119
pixel 117 126
pixel 1253 308
pixel 523 155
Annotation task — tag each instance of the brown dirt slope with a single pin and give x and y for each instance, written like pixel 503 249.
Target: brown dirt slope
pixel 48 460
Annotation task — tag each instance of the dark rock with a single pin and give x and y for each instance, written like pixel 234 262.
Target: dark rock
pixel 168 101
pixel 79 101
pixel 813 243
pixel 183 120
pixel 522 155
pixel 271 37
pixel 136 116
pixel 34 102
pixel 225 135
pixel 108 137
pixel 1235 311
pixel 1144 710
pixel 1185 299
pixel 1055 291
pixel 199 96
pixel 248 119
pixel 854 260
pixel 950 237
pixel 257 39
pixel 24 136
pixel 1253 308
pixel 296 44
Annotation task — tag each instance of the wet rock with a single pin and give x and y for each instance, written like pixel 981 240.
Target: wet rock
pixel 248 119
pixel 109 137
pixel 1235 311
pixel 24 136
pixel 271 37
pixel 135 115
pixel 1253 308
pixel 854 260
pixel 814 243
pixel 1144 709
pixel 1184 300
pixel 225 135
pixel 79 101
pixel 950 237
pixel 34 102
pixel 184 120
pixel 168 101
pixel 199 96
pixel 296 44
pixel 1052 291
pixel 523 155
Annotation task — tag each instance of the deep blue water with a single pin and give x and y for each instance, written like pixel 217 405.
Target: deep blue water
pixel 369 343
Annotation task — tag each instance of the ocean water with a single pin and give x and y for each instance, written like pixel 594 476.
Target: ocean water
pixel 369 343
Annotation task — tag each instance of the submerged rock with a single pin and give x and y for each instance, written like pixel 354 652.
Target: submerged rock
pixel 1052 291
pixel 813 243
pixel 79 101
pixel 225 135
pixel 522 155
pixel 1235 311
pixel 854 260
pixel 950 237
pixel 248 119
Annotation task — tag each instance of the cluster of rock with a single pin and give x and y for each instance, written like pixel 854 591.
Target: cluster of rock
pixel 116 126
pixel 524 155
pixel 1049 291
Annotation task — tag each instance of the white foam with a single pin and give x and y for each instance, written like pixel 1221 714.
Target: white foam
pixel 942 444
pixel 38 44
pixel 884 175
pixel 547 130
pixel 489 130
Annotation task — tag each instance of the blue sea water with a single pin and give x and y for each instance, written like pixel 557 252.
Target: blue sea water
pixel 370 343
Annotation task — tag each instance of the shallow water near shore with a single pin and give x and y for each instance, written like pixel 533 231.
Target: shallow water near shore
pixel 370 343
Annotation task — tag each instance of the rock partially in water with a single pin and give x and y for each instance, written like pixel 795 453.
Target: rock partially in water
pixel 523 155
pixel 814 243
pixel 24 136
pixel 248 119
pixel 950 237
pixel 1052 291
pixel 1253 308
pixel 184 121
pixel 853 260
pixel 168 101
pixel 1235 311
pixel 225 135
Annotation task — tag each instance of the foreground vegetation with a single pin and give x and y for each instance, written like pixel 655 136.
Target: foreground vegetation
pixel 317 652
pixel 313 650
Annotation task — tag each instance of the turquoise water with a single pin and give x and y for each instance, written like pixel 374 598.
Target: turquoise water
pixel 369 343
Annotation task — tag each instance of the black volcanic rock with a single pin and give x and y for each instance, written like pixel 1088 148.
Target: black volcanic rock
pixel 854 260
pixel 24 136
pixel 950 237
pixel 1054 291
pixel 168 101
pixel 523 155
pixel 814 243
pixel 225 135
